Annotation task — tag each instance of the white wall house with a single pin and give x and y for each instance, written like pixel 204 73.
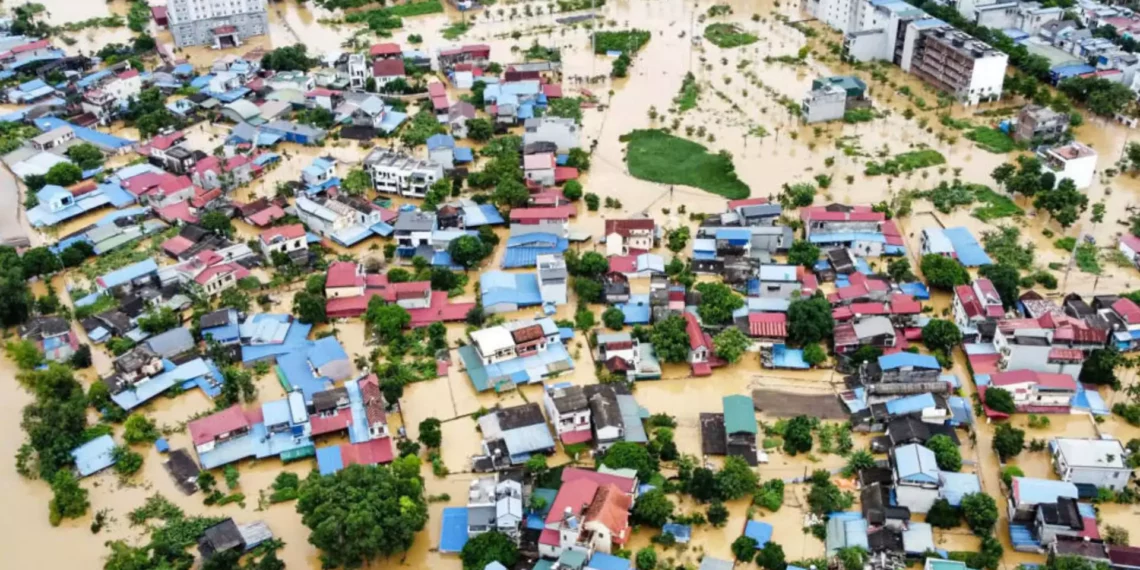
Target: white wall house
pixel 1074 161
pixel 1099 462
pixel 398 173
pixel 568 411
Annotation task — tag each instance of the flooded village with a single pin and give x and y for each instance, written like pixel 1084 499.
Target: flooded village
pixel 578 284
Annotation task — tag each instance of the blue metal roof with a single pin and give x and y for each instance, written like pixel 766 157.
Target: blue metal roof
pixel 759 531
pixel 497 287
pixel 968 250
pixel 914 462
pixel 784 357
pixel 326 350
pixel 956 485
pixel 910 404
pixel 440 141
pixel 1030 491
pixel 128 273
pixel 846 237
pixel 463 154
pixel 453 529
pixel 908 359
pixel 917 290
pixel 94 456
pixel 603 561
pixel 734 234
pixel 682 532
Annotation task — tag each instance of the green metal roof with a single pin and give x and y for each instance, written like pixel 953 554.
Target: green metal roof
pixel 572 558
pixel 738 415
pixel 849 83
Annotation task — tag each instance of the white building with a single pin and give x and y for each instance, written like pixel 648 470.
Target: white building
pixel 494 506
pixel 560 131
pixel 1099 462
pixel 1074 161
pixel 839 14
pixel 52 138
pixel 915 477
pixel 217 23
pixel 398 173
pixel 552 278
pixel 568 410
pixel 954 61
pixel 285 239
pixel 124 86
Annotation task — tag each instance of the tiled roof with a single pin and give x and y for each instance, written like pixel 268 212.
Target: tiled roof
pixel 1127 310
pixel 1042 379
pixel 969 300
pixel 624 227
pixel 373 400
pixel 291 231
pixel 696 337
pixel 573 495
pixel 388 68
pixel 207 429
pixel 610 508
pixel 385 49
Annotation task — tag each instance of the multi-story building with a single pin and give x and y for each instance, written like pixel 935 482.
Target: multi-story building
pixel 552 278
pixel 560 131
pixel 955 62
pixel 289 239
pixel 1037 123
pixel 1074 161
pixel 398 173
pixel 218 23
pixel 1097 462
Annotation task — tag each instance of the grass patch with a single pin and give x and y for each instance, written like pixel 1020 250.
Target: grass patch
pixel 992 140
pixel 657 156
pixel 1004 246
pixel 455 30
pixel 960 124
pixel 906 162
pixel 863 115
pixel 1065 243
pixel 415 8
pixel 690 91
pixel 1086 259
pixel 996 205
pixel 383 20
pixel 625 41
pixel 729 35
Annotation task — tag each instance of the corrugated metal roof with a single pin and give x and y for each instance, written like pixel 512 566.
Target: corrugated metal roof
pixel 739 416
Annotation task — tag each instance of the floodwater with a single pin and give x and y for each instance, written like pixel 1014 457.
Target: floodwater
pixel 740 94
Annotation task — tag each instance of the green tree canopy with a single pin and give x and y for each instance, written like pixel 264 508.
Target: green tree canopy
pixel 670 339
pixel 387 321
pixel 731 344
pixel 943 272
pixel 744 548
pixel 362 513
pixel 946 453
pixel 309 308
pixel 1008 441
pixel 803 253
pixel 430 433
pixel 653 508
pixel 941 335
pixel 467 251
pixel 1005 278
pixel 981 513
pixel 488 547
pixel 357 182
pixel 810 320
pixel 1000 400
pixel 943 515
pixel 629 455
pixel 613 318
pixel 797 435
pixel 1100 367
pixel 736 479
pixel 718 301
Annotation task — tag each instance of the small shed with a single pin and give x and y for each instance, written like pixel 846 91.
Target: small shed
pixel 94 456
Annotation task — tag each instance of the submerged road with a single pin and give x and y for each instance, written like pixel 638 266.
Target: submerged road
pixel 13 230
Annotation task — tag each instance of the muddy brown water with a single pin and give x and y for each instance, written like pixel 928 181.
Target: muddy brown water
pixel 739 93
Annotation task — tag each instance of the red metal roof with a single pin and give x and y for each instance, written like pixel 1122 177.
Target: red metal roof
pixel 1131 241
pixel 625 227
pixel 371 452
pixel 565 173
pixel 538 214
pixel 176 245
pixel 768 325
pixel 178 211
pixel 388 68
pixel 1042 379
pixel 905 305
pixel 174 184
pixel 581 436
pixel 1066 354
pixel 983 363
pixel 143 183
pixel 696 336
pixel 344 274
pixel 844 335
pixel 969 300
pixel 574 496
pixel 1124 555
pixel 442 309
pixel 373 400
pixel 32 46
pixel 625 484
pixel 329 424
pixel 129 74
pixel 385 49
pixel 163 142
pixel 437 89
pixel 1127 310
pixel 207 429
pixel 347 307
pixel 207 274
pixel 552 91
pixel 291 231
pixel 267 216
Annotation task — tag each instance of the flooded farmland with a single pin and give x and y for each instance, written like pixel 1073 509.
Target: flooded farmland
pixel 741 110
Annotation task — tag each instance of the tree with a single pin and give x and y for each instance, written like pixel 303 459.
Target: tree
pixel 86 155
pixel 309 308
pixel 940 335
pixel 677 239
pixel 670 339
pixel 1009 472
pixel 717 514
pixel 467 251
pixel 362 513
pixel 63 174
pixel 572 190
pixel 81 358
pixel 579 158
pixel 592 201
pixel 613 318
pixel 511 193
pixel 943 515
pixel 999 400
pixel 1005 279
pixel 858 461
pixel 771 556
pixel 646 558
pixel 1116 535
pixel 217 222
pixel 387 321
pixel 289 58
pixel 943 272
pixel 629 455
pixel 1008 441
pixel 15 297
pixel 1100 367
pixel 480 130
pixel 235 298
pixel 357 182
pixel 797 195
pixel 653 508
pixel 865 353
pixel 803 253
pixel 25 353
pixel 1063 202
pixel 797 435
pixel 56 418
pixel 75 254
pixel 770 495
pixel 702 486
pixel 946 453
pixel 899 270
pixel 810 320
pixel 127 462
pixel 40 261
pixel 852 557
pixel 981 513
pixel 814 354
pixel 69 500
pixel 430 434
pixel 159 320
pixel 730 344
pixel 592 265
pixel 744 548
pixel 824 496
pixel 1003 173
pixel 736 479
pixel 588 290
pixel 718 301
pixel 489 547
pixel 139 429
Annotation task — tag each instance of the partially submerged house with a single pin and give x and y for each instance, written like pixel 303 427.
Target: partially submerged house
pixel 511 436
pixel 733 432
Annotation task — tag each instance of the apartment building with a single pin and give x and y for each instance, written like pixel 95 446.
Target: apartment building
pixel 398 173
pixel 955 62
pixel 217 23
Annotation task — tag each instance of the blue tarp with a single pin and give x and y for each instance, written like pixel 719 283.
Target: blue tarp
pixel 94 456
pixel 453 529
pixel 784 357
pixel 968 250
pixel 917 290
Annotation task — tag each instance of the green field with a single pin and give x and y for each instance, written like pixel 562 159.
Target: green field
pixel 906 162
pixel 729 35
pixel 992 140
pixel 995 205
pixel 625 41
pixel 657 156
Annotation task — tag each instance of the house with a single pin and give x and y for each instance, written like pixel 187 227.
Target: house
pixel 50 139
pixel 320 171
pixel 513 435
pixel 289 240
pixel 539 168
pixel 554 221
pixel 172 344
pixel 398 173
pixel 620 353
pixel 1061 520
pixel 631 236
pixel 502 292
pixel 1099 462
pixel 908 367
pixel 562 132
pixel 976 303
pixel 877 331
pixel 478 55
pixel 875 502
pixel 1037 124
pixel 53 336
pixel 615 288
pixel 1124 316
pixel 915 477
pixel 1043 346
pixel 700 346
pixel 1027 493
pixel 831 97
pixel 1073 161
pixel 957 243
pixel 457 117
pixel 169 153
pixel 740 427
pixel 218 278
pixel 413 229
pixel 494 503
pixel 345 219
pixel 552 279
pixel 385 71
pixel 385 51
pixel 590 513
pixel 518 352
pixel 569 412
pixel 1129 245
pixel 1037 392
